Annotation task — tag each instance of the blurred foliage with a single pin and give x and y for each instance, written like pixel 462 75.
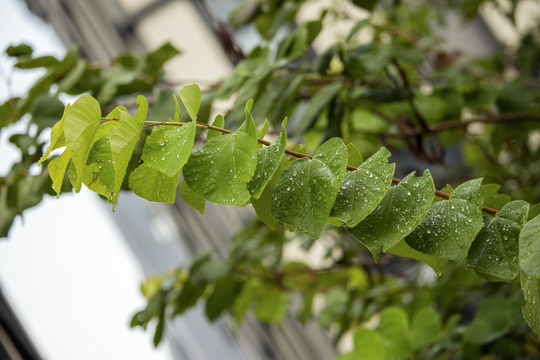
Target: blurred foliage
pixel 35 113
pixel 386 80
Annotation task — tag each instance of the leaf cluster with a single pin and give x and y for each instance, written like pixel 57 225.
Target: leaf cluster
pixel 39 110
pixel 301 192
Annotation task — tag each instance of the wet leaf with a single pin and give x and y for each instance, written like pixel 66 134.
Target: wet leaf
pixel 397 215
pixel 219 172
pixel 80 124
pixel 450 226
pixel 307 189
pixel 191 198
pixel 123 139
pixel 268 159
pixel 494 252
pixel 529 248
pixel 363 189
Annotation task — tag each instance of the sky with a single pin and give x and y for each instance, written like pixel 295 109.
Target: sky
pixel 66 269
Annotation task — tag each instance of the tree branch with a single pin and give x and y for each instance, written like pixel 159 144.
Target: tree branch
pixel 457 124
pixel 292 153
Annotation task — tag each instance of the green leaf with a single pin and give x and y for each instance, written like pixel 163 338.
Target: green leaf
pixel 530 286
pixel 263 205
pixel 158 57
pixel 450 227
pixel 42 61
pixel 265 127
pixel 123 139
pixel 8 112
pixel 251 291
pixel 225 291
pixel 272 306
pixel 333 153
pixel 492 199
pixel 99 172
pixel 153 185
pixel 314 107
pixel 396 216
pixel 176 109
pixel 160 327
pixel 495 317
pixel 249 124
pixel 534 211
pixel 425 328
pixel 74 76
pixel 394 330
pixel 529 248
pixel 404 250
pixel 57 170
pixel 208 271
pixel 57 136
pixel 19 50
pixel 46 111
pixel 307 189
pixel 368 345
pixel 191 97
pixel 165 152
pixel 168 148
pixel 219 121
pixel 363 189
pixel 366 4
pixel 354 156
pixel 219 172
pixel 268 159
pixel 191 198
pixel 494 252
pixel 80 125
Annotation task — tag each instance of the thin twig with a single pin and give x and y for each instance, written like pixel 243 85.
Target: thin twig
pixel 456 124
pixel 294 153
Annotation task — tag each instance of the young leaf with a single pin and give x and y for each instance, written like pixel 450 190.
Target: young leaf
pixel 249 124
pixel 354 156
pixel 99 172
pixel 191 97
pixel 307 189
pixel 396 216
pixel 450 226
pixel 80 125
pixel 123 139
pixel 57 170
pixel 268 159
pixel 363 189
pixel 263 205
pixel 219 121
pixel 165 152
pixel 219 172
pixel 494 252
pixel 191 198
pixel 176 109
pixel 168 148
pixel 152 184
pixel 265 127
